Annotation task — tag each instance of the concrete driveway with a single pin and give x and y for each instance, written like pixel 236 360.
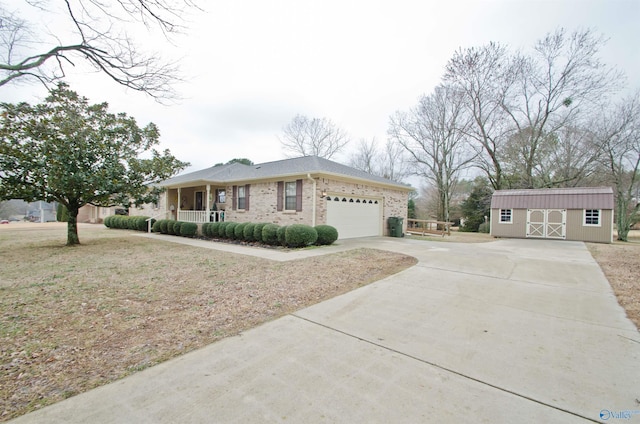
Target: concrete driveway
pixel 523 331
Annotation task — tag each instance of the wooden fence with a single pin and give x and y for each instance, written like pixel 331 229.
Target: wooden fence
pixel 426 226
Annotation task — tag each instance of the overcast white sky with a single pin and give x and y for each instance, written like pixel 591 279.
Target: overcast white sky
pixel 251 65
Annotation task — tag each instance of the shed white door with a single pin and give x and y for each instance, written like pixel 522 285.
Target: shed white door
pixel 354 216
pixel 546 223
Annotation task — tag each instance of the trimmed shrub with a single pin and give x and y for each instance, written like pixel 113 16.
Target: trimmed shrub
pixel 107 221
pixel 171 227
pixel 222 230
pixel 188 229
pixel 229 229
pixel 177 227
pixel 131 222
pixel 214 229
pixel 141 223
pixel 281 235
pixel 300 235
pixel 326 234
pixel 164 225
pixel 247 233
pixel 270 234
pixel 156 226
pixel 257 231
pixel 206 229
pixel 238 231
pixel 219 230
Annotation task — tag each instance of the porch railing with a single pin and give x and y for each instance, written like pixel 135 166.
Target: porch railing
pixel 201 217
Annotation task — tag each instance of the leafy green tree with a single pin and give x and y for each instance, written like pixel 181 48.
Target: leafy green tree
pixel 477 205
pixel 69 151
pixel 411 209
pixel 243 161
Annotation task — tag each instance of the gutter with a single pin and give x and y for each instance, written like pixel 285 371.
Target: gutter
pixel 313 210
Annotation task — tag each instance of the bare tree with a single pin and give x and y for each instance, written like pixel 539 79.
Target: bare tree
pixel 571 158
pixel 305 136
pixel 98 37
pixel 551 88
pixel 619 132
pixel 483 75
pixel 366 156
pixel 433 134
pixel 389 162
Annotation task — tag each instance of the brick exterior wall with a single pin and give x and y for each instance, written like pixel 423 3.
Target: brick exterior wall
pixel 394 201
pixel 263 198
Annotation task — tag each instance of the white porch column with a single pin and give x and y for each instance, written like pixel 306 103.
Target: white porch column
pixel 208 208
pixel 178 206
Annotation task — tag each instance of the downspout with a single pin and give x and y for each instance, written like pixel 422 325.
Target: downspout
pixel 313 209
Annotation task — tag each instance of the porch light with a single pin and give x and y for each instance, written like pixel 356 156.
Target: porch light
pixel 323 194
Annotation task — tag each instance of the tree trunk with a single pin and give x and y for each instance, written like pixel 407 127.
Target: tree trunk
pixel 72 227
pixel 623 219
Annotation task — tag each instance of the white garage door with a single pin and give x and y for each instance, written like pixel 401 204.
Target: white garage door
pixel 354 216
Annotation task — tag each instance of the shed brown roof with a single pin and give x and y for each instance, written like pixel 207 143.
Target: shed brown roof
pixel 554 198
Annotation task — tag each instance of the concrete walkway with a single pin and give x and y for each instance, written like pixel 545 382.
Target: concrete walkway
pixel 523 331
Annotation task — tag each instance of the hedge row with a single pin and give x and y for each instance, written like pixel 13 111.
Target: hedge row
pixel 296 235
pixel 124 222
pixel 178 228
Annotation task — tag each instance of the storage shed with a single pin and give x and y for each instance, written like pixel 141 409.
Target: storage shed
pixel 583 214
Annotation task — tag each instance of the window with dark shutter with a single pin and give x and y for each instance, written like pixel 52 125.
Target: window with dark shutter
pixel 299 195
pixel 280 196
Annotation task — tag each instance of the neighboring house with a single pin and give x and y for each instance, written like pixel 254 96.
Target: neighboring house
pixel 307 190
pixel 584 214
pixel 41 211
pixel 94 214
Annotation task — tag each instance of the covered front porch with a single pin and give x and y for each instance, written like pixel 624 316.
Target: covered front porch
pixel 199 204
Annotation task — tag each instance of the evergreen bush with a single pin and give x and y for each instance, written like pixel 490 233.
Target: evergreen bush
pixel 247 233
pixel 281 235
pixel 164 224
pixel 229 230
pixel 171 227
pixel 326 234
pixel 300 235
pixel 214 229
pixel 222 230
pixel 188 229
pixel 177 228
pixel 238 231
pixel 270 234
pixel 156 226
pixel 206 229
pixel 257 231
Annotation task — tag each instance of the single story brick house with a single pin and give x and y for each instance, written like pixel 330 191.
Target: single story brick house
pixel 583 214
pixel 306 190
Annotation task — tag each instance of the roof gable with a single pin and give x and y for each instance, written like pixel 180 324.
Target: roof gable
pixel 554 198
pixel 238 172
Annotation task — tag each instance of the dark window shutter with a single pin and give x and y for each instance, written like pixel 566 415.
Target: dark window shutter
pixel 280 196
pixel 234 203
pixel 246 197
pixel 298 195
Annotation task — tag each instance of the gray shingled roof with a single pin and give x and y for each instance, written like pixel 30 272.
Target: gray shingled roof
pixel 554 198
pixel 237 172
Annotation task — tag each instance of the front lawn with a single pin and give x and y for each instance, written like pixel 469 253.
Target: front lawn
pixel 73 318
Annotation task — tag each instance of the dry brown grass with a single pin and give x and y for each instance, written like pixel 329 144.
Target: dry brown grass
pixel 75 318
pixel 620 262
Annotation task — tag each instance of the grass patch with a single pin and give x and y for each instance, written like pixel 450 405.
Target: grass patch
pixel 74 318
